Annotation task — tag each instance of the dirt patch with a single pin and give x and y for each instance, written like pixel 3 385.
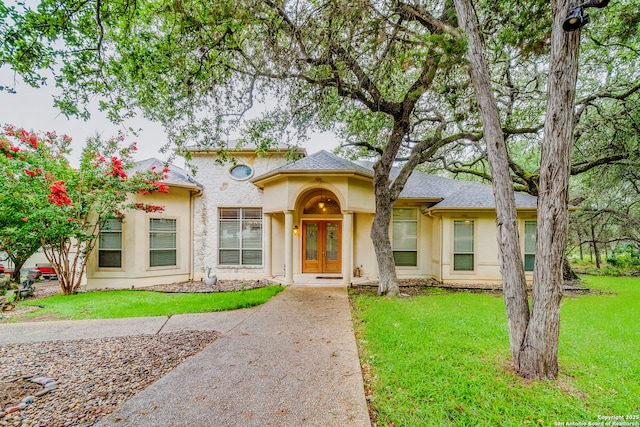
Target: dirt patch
pixel 12 392
pixel 42 318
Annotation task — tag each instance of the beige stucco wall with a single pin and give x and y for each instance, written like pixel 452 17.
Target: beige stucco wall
pixel 198 223
pixel 424 267
pixel 487 267
pixel 286 193
pixel 222 190
pixel 354 196
pixel 364 255
pixel 135 271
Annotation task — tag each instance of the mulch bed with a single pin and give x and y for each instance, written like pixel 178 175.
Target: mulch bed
pixel 201 287
pixel 417 287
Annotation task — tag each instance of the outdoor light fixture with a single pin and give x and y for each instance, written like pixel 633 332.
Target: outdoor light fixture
pixel 321 202
pixel 577 18
pixel 295 230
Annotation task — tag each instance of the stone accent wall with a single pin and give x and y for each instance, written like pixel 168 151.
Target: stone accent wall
pixel 223 190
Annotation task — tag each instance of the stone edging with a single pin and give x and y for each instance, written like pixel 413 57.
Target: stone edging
pixel 48 385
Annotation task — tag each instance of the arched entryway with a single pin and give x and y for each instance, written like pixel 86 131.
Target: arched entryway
pixel 321 233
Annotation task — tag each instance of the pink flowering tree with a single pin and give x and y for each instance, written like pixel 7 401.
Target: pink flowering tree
pixel 62 208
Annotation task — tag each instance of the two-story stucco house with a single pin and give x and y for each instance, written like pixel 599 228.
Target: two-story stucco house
pixel 265 217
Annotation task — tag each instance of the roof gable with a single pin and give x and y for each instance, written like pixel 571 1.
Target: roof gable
pixel 176 176
pixel 325 161
pixel 449 193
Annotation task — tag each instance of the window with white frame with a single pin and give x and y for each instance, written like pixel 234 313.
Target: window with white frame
pixel 405 237
pixel 110 244
pixel 463 253
pixel 529 244
pixel 162 242
pixel 240 241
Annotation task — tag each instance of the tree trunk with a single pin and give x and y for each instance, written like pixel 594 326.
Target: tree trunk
pixel 511 266
pixel 17 266
pixel 388 280
pixel 594 244
pixel 56 255
pixel 567 272
pixel 580 243
pixel 539 356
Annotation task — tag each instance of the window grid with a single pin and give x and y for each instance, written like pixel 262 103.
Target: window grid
pixel 110 245
pixel 405 237
pixel 529 244
pixel 240 237
pixel 463 245
pixel 162 242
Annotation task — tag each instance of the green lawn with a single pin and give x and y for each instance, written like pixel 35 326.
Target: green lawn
pixel 112 304
pixel 443 359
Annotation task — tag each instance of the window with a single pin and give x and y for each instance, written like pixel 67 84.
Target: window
pixel 110 245
pixel 240 236
pixel 241 172
pixel 162 242
pixel 463 245
pixel 529 244
pixel 405 237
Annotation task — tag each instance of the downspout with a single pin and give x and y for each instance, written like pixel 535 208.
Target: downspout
pixel 191 250
pixel 430 213
pixel 192 196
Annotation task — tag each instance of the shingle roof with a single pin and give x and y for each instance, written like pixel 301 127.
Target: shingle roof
pixel 324 161
pixel 175 176
pixel 454 193
pixel 476 195
pixel 451 193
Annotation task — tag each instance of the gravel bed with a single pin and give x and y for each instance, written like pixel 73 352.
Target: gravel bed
pixel 200 287
pixel 95 375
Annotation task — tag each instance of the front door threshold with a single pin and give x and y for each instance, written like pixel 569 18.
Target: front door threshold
pixel 329 277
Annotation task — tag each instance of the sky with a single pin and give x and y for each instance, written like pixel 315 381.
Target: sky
pixel 33 109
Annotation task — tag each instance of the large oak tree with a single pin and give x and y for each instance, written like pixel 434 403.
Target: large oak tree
pixel 386 74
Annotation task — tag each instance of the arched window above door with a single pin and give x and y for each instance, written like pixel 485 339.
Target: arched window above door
pixel 320 202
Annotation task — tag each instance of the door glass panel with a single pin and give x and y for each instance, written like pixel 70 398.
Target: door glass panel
pixel 332 241
pixel 312 242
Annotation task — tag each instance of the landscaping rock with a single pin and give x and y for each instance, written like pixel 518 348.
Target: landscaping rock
pixel 94 376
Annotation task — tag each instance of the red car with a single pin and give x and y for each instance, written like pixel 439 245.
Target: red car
pixel 47 271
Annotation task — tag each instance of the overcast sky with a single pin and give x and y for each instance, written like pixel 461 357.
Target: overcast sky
pixel 33 109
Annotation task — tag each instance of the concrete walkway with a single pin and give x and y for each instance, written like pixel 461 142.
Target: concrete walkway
pixel 26 332
pixel 290 362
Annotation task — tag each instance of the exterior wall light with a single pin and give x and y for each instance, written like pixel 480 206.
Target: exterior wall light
pixel 295 230
pixel 577 18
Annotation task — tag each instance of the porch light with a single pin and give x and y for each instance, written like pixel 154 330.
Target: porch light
pixel 295 230
pixel 577 18
pixel 321 202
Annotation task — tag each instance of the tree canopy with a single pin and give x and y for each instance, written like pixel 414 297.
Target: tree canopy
pixel 389 76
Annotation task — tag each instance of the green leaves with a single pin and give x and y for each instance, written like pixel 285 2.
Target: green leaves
pixel 45 202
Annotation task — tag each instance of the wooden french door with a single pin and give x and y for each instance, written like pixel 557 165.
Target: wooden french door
pixel 321 246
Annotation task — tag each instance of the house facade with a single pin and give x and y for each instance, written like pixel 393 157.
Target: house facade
pixel 266 217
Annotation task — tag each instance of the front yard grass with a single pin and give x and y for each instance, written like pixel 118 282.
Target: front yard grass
pixel 123 303
pixel 443 360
